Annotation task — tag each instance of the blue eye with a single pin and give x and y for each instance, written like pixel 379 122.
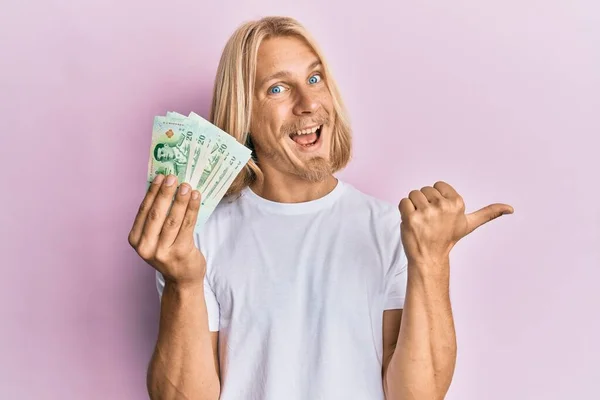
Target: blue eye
pixel 276 89
pixel 315 79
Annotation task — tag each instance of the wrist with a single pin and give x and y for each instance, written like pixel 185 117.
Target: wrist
pixel 185 286
pixel 430 268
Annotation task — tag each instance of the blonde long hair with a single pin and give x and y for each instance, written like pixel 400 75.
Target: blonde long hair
pixel 231 106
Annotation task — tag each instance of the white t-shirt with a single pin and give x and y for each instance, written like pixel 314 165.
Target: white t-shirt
pixel 297 292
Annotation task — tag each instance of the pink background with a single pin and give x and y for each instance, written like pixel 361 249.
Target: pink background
pixel 498 98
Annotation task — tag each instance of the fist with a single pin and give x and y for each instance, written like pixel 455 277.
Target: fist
pixel 163 237
pixel 434 220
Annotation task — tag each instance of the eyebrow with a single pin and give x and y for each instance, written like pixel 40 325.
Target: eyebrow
pixel 284 74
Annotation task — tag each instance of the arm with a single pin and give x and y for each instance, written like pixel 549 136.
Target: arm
pixel 420 341
pixel 184 364
pixel 424 357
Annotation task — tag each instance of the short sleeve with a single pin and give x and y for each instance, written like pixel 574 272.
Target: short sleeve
pixel 396 280
pixel 212 306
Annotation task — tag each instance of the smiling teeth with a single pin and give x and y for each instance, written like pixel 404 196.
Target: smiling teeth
pixel 307 131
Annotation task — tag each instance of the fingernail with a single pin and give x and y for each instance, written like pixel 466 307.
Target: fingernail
pixel 170 180
pixel 183 189
pixel 158 179
pixel 195 194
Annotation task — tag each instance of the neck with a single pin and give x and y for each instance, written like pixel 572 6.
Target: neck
pixel 287 188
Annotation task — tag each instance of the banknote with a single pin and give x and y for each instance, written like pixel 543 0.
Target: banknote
pixel 209 154
pixel 193 146
pixel 170 146
pixel 225 172
pixel 218 186
pixel 199 153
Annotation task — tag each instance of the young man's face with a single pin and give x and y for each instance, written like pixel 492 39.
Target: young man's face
pixel 292 115
pixel 165 153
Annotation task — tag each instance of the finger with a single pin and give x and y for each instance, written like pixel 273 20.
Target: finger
pixel 446 190
pixel 140 218
pixel 158 212
pixel 406 207
pixel 189 221
pixel 485 215
pixel 432 194
pixel 172 223
pixel 418 199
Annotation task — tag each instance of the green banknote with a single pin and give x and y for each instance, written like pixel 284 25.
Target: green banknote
pixel 217 190
pixel 170 146
pixel 205 157
pixel 223 153
pixel 199 153
pixel 225 172
pixel 195 145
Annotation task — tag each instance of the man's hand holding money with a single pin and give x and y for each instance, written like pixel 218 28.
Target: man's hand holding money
pixel 163 237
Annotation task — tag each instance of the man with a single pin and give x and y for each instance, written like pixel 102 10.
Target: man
pixel 299 286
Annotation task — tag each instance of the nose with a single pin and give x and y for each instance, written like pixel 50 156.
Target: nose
pixel 306 103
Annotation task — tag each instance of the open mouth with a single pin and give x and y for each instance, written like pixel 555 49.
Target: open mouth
pixel 307 137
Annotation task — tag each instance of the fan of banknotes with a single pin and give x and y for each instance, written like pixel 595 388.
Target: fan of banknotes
pixel 198 153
